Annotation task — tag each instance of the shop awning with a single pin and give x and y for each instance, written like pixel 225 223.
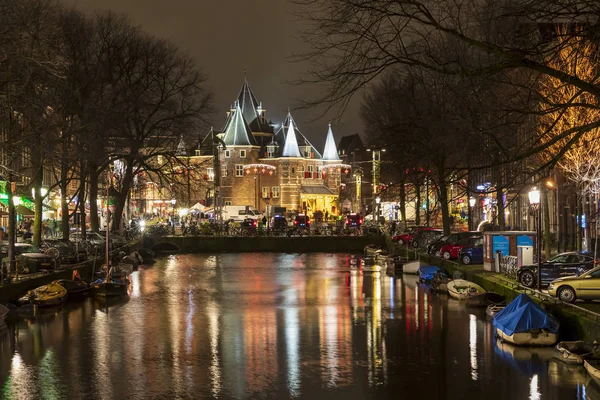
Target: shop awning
pixel 318 189
pixel 24 211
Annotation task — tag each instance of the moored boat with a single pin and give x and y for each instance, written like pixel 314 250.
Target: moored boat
pixel 427 272
pixel 576 352
pixel 461 289
pixel 485 299
pixel 439 283
pixel 48 295
pixel 525 323
pixel 593 368
pixel 371 249
pixel 412 267
pixel 111 288
pixel 75 289
pixel 494 309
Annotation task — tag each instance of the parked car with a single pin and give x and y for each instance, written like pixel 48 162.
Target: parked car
pixel 30 258
pixel 353 221
pixel 407 237
pixel 279 223
pixel 561 265
pixel 434 248
pixel 451 250
pixel 570 288
pixel 472 253
pixel 302 221
pixel 424 238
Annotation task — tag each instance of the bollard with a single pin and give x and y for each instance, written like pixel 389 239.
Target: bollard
pixel 497 260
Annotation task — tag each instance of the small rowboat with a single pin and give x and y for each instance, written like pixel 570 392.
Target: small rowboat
pixel 485 299
pixel 439 283
pixel 593 368
pixel 576 352
pixel 48 295
pixel 461 289
pixel 75 289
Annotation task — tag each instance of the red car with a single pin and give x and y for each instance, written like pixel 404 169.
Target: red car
pixel 452 250
pixel 407 236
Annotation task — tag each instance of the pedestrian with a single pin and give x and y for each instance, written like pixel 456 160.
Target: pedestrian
pixel 264 220
pixel 326 216
pixel 393 228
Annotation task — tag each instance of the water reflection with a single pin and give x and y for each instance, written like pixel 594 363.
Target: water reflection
pixel 274 326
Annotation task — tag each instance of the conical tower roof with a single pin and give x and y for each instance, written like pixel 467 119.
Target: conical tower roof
pixel 250 108
pixel 330 151
pixel 301 140
pixel 237 131
pixel 181 150
pixel 290 147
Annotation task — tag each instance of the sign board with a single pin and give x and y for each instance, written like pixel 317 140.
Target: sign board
pixel 524 241
pixel 501 244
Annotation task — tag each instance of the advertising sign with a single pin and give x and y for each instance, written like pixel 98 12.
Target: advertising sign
pixel 501 244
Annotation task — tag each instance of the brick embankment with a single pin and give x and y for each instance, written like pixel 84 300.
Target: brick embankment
pixel 579 321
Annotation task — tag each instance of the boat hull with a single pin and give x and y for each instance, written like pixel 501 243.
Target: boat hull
pixel 412 267
pixel 110 289
pixel 575 353
pixel 543 338
pixel 593 368
pixel 461 289
pixel 49 295
pixel 484 299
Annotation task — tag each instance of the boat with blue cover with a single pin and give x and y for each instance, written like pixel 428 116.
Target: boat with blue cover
pixel 427 272
pixel 523 322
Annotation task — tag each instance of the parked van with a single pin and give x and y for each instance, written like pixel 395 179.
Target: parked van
pixel 239 213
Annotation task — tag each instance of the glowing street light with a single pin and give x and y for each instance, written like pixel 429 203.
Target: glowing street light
pixel 534 200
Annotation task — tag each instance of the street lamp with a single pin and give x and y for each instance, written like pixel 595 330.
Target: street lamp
pixel 534 200
pixel 142 226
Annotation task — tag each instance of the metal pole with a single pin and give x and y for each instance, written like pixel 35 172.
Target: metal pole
pixel 539 247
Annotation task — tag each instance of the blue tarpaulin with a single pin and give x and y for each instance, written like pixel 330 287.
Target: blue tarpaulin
pixel 427 272
pixel 523 315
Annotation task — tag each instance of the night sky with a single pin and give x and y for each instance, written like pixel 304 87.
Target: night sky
pixel 228 37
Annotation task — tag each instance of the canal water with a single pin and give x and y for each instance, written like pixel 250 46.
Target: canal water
pixel 312 326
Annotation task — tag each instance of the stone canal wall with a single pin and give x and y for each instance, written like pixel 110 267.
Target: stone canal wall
pixel 306 244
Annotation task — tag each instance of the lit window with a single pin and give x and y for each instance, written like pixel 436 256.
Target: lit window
pixel 239 170
pixel 227 153
pixel 211 174
pixel 309 174
pixel 242 153
pixel 275 192
pixel 265 192
pixel 223 171
pixel 227 203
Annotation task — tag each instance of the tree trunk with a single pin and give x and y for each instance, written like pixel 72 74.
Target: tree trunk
pixel 37 205
pixel 443 197
pixel 586 217
pixel 64 209
pixel 122 198
pixel 82 198
pixel 427 208
pixel 501 207
pixel 403 204
pixel 417 202
pixel 12 226
pixel 94 223
pixel 578 223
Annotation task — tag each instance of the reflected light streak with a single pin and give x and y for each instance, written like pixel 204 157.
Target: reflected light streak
pixel 215 369
pixel 189 326
pixel 534 390
pixel 473 345
pixel 417 309
pixel 392 296
pixel 21 379
pixel 292 349
pixel 135 284
pixel 331 326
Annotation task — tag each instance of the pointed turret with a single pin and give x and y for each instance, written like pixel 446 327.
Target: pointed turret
pixel 330 151
pixel 252 109
pixel 237 131
pixel 290 148
pixel 181 150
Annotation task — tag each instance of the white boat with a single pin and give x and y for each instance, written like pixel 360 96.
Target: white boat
pixel 530 338
pixel 576 352
pixel 461 289
pixel 525 323
pixel 413 267
pixel 593 368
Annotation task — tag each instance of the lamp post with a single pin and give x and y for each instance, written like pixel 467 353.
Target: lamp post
pixel 378 202
pixel 142 226
pixel 173 201
pixel 534 200
pixel 472 202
